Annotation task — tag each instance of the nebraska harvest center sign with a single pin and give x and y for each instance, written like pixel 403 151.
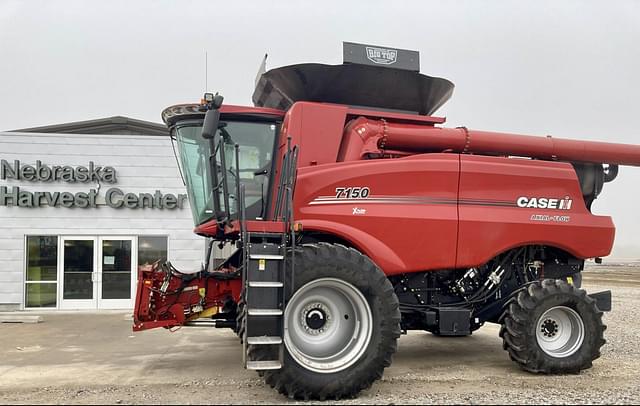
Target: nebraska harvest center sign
pixel 114 197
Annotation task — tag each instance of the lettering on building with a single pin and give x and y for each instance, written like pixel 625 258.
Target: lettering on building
pixel 114 197
pixel 44 173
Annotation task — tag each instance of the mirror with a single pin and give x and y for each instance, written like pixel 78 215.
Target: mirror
pixel 212 117
pixel 210 126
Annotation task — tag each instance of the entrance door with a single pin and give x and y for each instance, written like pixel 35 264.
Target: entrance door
pixel 116 279
pixel 78 262
pixel 97 272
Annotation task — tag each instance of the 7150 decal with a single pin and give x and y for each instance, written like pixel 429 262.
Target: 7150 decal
pixel 352 192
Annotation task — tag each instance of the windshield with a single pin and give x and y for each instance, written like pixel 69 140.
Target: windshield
pixel 255 142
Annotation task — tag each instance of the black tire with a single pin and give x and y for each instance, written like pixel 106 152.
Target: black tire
pixel 520 324
pixel 323 260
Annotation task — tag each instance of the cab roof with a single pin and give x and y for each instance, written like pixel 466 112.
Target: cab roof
pixel 192 111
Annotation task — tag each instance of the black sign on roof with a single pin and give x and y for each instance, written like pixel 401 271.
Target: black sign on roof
pixel 374 55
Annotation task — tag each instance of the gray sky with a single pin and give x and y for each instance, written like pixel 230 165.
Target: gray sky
pixel 566 68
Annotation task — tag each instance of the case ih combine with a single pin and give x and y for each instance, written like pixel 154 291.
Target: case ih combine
pixel 350 215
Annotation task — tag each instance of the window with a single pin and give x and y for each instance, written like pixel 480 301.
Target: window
pixel 41 284
pixel 255 148
pixel 151 249
pixel 116 269
pixel 79 274
pixel 194 158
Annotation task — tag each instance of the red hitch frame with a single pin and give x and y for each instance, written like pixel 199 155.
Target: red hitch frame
pixel 166 297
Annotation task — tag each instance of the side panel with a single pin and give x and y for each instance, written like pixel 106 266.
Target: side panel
pixel 402 212
pixel 491 221
pixel 316 129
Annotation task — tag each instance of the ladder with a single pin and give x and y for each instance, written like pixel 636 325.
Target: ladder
pixel 264 273
pixel 264 299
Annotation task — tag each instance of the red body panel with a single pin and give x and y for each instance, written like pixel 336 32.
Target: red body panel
pixel 488 228
pixel 409 222
pixel 443 211
pixel 314 126
pixel 439 210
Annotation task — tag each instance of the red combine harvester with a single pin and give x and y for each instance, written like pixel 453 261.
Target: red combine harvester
pixel 350 216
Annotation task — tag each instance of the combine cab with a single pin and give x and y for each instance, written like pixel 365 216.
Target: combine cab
pixel 349 215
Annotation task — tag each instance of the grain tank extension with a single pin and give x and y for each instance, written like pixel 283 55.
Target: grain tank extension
pixel 340 214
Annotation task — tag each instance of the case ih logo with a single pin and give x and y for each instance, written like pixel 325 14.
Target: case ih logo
pixel 382 56
pixel 544 203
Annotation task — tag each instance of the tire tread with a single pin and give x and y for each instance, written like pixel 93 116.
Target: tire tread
pixel 519 335
pixel 293 383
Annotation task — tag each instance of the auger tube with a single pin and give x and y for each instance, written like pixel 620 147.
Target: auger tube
pixel 366 136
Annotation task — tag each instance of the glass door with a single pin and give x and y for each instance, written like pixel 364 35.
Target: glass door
pixel 116 277
pixel 78 262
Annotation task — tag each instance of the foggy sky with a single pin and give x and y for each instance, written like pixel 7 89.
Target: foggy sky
pixel 566 68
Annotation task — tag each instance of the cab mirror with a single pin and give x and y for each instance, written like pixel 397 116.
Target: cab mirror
pixel 210 126
pixel 212 103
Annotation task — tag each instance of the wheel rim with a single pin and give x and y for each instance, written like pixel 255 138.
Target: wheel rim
pixel 560 332
pixel 328 325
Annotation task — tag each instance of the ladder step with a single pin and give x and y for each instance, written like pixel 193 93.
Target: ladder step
pixel 264 312
pixel 256 284
pixel 266 256
pixel 264 340
pixel 259 365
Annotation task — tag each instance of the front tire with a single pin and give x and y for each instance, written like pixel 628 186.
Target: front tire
pixel 342 325
pixel 553 327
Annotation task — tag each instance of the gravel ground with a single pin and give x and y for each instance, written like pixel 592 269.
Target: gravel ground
pixel 89 358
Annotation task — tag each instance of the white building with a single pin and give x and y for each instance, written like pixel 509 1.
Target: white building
pixel 82 205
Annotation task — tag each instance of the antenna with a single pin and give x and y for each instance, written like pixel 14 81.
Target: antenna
pixel 206 71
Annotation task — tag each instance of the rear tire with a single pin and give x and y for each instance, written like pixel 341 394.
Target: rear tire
pixel 329 276
pixel 553 327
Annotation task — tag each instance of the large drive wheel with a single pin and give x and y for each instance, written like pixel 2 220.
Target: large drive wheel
pixel 553 327
pixel 341 325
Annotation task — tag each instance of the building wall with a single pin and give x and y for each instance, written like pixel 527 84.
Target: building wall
pixel 143 164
